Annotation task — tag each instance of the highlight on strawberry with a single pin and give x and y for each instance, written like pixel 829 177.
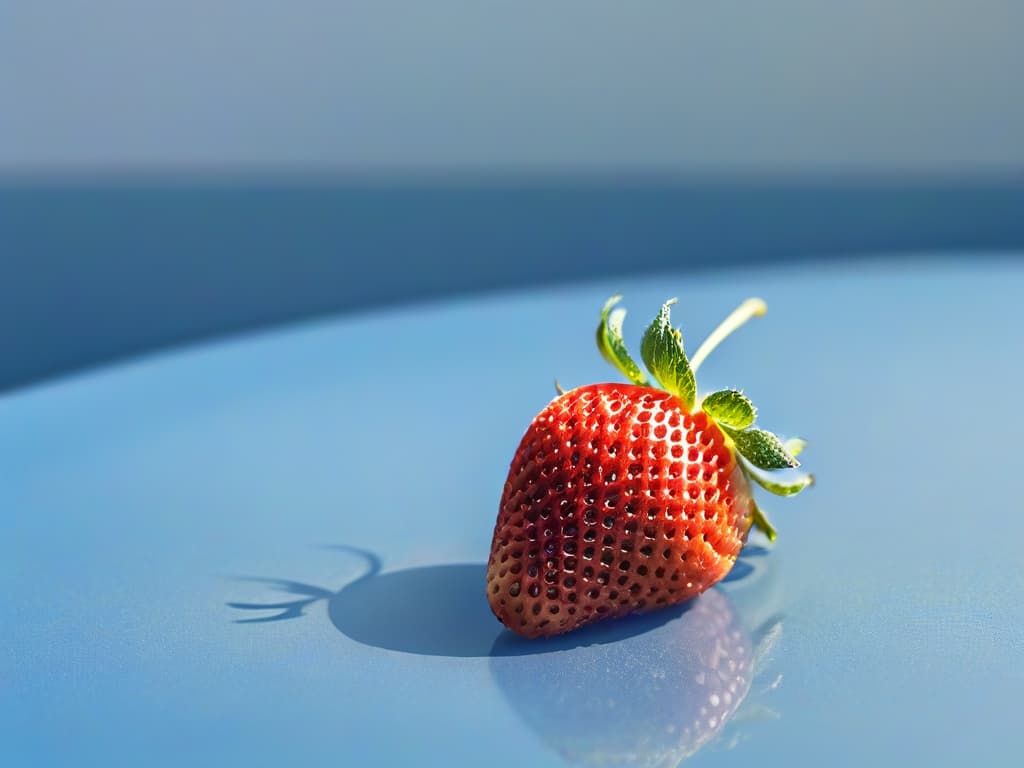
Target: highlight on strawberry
pixel 629 497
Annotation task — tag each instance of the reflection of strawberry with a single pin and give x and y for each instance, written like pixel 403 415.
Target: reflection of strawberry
pixel 624 497
pixel 650 700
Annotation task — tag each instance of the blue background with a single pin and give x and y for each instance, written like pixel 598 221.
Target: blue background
pixel 918 87
pixel 266 545
pixel 94 271
pixel 170 172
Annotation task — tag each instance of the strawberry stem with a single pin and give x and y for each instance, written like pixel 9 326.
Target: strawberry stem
pixel 748 309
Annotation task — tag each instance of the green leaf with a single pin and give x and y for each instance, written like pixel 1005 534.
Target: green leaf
pixel 760 522
pixel 794 445
pixel 762 449
pixel 783 489
pixel 662 353
pixel 730 407
pixel 613 348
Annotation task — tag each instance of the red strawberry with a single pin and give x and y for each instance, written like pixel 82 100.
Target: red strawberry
pixel 624 497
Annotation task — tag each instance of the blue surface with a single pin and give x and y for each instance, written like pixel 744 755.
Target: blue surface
pixel 348 472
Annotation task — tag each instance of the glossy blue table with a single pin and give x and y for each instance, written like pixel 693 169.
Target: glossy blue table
pixel 270 550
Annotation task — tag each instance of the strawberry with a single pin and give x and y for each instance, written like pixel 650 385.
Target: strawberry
pixel 629 497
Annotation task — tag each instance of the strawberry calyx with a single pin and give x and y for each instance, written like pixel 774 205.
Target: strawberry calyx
pixel 611 344
pixel 664 355
pixel 760 521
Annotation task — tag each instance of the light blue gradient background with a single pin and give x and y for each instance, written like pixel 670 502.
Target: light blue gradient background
pixel 922 87
pixel 176 171
pixel 133 496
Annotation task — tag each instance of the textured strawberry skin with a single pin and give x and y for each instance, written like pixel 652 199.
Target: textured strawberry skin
pixel 617 501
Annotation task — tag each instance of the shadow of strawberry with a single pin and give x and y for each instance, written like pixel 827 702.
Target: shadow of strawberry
pixel 646 690
pixel 433 610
